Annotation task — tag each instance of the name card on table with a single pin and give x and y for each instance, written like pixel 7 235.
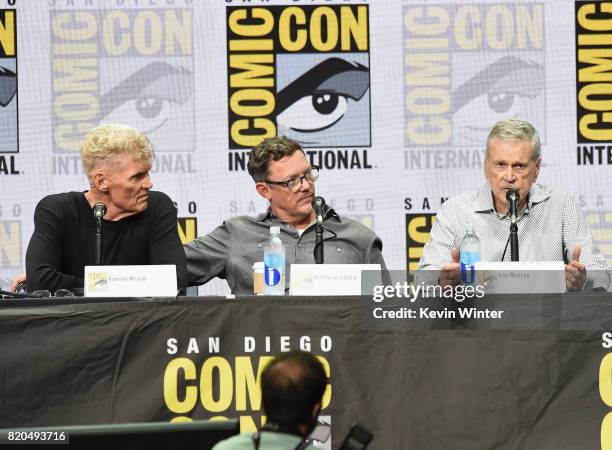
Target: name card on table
pixel 130 281
pixel 521 277
pixel 333 279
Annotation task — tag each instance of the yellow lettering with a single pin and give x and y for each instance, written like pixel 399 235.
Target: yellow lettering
pixel 419 20
pixel 79 74
pixel 69 138
pixel 415 125
pixel 76 106
pixel 252 102
pixel 468 37
pixel 10 244
pixel 111 44
pixel 148 23
pixel 247 383
pixel 529 26
pixel 178 33
pixel 7 33
pixel 432 69
pixel 433 100
pixel 594 24
pixel 316 29
pixel 290 20
pixel 171 387
pixel 254 70
pixel 267 127
pixel 355 28
pixel 600 68
pixel 499 19
pixel 225 377
pixel 188 233
pixel 74 32
pixel 586 94
pixel 265 26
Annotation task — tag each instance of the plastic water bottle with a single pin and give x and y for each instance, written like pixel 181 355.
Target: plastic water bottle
pixel 469 254
pixel 274 264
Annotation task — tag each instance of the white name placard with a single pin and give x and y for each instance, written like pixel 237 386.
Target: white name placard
pixel 130 281
pixel 331 279
pixel 521 277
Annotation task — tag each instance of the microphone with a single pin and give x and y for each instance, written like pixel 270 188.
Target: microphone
pixel 99 212
pixel 318 205
pixel 513 199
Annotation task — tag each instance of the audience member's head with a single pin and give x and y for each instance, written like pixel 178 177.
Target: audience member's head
pixel 292 387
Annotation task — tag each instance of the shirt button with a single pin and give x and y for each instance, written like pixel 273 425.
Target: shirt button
pixel 339 250
pixel 299 245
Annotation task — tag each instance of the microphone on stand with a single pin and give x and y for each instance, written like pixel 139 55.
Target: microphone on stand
pixel 513 199
pixel 99 212
pixel 318 205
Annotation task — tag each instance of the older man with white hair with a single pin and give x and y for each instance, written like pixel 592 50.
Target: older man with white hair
pixel 551 227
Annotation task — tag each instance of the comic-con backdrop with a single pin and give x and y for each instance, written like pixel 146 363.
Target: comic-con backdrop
pixel 393 99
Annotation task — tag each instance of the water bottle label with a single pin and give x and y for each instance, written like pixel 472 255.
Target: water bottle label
pixel 467 273
pixel 271 276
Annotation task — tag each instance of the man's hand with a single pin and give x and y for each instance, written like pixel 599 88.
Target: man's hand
pixel 449 276
pixel 575 272
pixel 21 278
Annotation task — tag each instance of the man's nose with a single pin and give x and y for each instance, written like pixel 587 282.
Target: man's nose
pixel 148 183
pixel 509 174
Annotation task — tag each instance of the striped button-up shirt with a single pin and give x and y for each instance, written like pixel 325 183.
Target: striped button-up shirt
pixel 549 227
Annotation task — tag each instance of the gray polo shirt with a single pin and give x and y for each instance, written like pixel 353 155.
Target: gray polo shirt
pixel 231 249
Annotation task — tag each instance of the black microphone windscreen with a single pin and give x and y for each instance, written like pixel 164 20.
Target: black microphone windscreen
pixel 99 210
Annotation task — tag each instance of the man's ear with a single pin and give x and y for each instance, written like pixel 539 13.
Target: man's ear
pixel 99 180
pixel 263 189
pixel 537 169
pixel 316 410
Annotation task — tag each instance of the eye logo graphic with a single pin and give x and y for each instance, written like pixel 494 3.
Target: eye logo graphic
pixel 301 72
pixel 461 79
pixel 123 66
pixel 326 104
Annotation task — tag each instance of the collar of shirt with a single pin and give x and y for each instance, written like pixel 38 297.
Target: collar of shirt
pixel 269 216
pixel 482 199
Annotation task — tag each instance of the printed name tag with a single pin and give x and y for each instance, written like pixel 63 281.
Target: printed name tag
pixel 130 281
pixel 521 277
pixel 333 279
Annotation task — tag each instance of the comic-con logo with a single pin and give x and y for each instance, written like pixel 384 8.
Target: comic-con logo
pixel 9 132
pixel 131 66
pixel 300 71
pixel 466 66
pixel 593 88
pixel 418 227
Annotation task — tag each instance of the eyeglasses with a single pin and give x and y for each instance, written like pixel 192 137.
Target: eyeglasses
pixel 44 293
pixel 311 175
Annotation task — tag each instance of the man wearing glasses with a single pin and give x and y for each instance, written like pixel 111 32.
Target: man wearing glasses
pixel 285 178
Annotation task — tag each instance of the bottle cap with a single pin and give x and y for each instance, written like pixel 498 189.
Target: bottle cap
pixel 274 230
pixel 470 228
pixel 259 265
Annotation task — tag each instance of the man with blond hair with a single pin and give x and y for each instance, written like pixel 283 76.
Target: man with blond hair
pixel 139 224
